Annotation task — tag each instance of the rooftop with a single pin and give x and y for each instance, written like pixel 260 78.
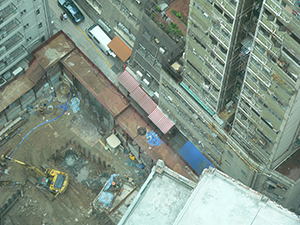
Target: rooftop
pixel 160 199
pixel 217 199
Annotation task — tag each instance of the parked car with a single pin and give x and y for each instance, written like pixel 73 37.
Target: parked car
pixel 71 10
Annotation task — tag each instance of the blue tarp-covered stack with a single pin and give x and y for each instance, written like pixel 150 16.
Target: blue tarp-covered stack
pixel 105 198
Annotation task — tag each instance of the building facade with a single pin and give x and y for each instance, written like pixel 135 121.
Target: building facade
pixel 24 25
pixel 232 93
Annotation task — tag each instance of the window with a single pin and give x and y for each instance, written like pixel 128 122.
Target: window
pixel 218 8
pixel 227 163
pixel 43 39
pixel 243 173
pixel 26 25
pixel 24 11
pixel 229 153
pixel 28 39
pixel 40 25
pixel 37 11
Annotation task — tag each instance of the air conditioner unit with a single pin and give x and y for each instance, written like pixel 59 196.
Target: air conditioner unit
pixel 146 81
pixel 2 50
pixel 138 2
pixel 139 74
pixel 17 71
pixel 161 50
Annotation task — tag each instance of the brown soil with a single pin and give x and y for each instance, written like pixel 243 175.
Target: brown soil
pixel 48 144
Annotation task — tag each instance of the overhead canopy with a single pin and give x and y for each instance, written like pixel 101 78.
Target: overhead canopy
pixel 120 48
pixel 194 157
pixel 161 120
pixel 143 100
pixel 128 81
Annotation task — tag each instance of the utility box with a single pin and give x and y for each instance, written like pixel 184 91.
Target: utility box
pixel 113 143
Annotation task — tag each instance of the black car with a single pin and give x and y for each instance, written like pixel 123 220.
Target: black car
pixel 71 9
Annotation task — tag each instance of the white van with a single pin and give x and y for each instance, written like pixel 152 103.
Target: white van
pixel 101 39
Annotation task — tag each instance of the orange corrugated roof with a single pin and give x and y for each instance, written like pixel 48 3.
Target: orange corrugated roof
pixel 120 48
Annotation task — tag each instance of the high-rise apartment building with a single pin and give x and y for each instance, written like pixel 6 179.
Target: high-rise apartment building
pixel 233 93
pixel 24 25
pixel 267 118
pixel 242 68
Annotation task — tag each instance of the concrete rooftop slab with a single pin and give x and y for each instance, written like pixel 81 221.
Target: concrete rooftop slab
pixel 160 199
pixel 219 199
pixel 53 50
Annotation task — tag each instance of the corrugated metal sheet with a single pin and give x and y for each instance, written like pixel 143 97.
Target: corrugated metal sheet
pixel 95 82
pixel 143 100
pixel 128 81
pixel 161 120
pixel 21 85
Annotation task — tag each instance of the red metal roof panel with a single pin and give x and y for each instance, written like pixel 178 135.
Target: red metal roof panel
pixel 128 81
pixel 143 100
pixel 160 120
pixel 164 124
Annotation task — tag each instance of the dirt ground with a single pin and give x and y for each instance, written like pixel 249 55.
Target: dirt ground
pixel 59 144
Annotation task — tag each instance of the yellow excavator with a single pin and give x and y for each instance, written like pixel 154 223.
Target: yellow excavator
pixel 52 180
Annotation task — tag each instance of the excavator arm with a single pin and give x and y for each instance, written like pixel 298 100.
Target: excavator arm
pixel 37 171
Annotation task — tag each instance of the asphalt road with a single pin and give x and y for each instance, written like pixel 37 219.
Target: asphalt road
pixel 110 66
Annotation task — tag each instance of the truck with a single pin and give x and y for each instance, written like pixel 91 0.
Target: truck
pixel 54 181
pixel 100 38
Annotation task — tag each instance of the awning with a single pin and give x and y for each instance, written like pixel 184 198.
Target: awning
pixel 120 48
pixel 128 81
pixel 194 157
pixel 161 120
pixel 143 100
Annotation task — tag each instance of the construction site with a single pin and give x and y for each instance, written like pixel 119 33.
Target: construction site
pixel 64 117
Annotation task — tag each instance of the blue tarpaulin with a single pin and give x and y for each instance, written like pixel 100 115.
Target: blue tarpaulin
pixel 194 157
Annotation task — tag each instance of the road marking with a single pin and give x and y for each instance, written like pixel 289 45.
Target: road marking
pixel 94 46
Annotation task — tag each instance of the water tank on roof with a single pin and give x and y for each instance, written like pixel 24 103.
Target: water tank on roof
pixel 17 71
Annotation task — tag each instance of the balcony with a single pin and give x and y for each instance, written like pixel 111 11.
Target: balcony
pixel 220 37
pixel 217 52
pixel 8 16
pixel 214 80
pixel 15 57
pixel 259 56
pixel 199 18
pixel 8 31
pixel 290 21
pixel 15 42
pixel 273 7
pixel 194 60
pixel 291 44
pixel 4 4
pixel 200 35
pixel 259 76
pixel 273 120
pixel 228 8
pixel 267 44
pixel 282 78
pixel 254 87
